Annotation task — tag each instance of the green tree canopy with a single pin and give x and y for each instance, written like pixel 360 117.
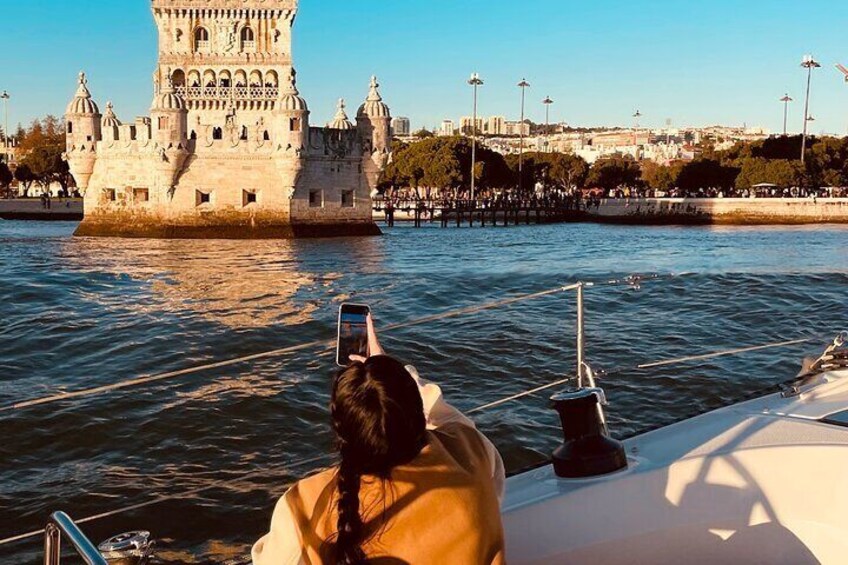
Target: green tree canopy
pixel 614 172
pixel 444 163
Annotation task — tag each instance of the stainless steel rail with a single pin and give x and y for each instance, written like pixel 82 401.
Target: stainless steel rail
pixel 61 524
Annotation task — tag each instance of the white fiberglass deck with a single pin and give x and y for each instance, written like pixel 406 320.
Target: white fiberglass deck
pixel 764 481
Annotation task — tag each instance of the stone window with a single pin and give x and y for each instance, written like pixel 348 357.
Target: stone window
pixel 141 195
pixel 316 199
pixel 70 127
pixel 249 197
pixel 266 136
pixel 243 133
pixel 348 199
pixel 203 198
pixel 201 39
pixel 110 194
pixel 217 133
pixel 248 39
pixel 163 123
pixel 295 124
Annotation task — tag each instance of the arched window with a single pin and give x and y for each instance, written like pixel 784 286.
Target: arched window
pixel 201 39
pixel 217 133
pixel 70 127
pixel 248 39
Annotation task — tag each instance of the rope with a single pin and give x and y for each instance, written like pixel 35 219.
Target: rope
pixel 276 352
pixel 663 363
pixel 165 498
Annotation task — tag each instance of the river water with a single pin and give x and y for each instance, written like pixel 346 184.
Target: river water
pixel 81 313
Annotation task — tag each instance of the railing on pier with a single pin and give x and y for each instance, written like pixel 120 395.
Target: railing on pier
pixel 482 212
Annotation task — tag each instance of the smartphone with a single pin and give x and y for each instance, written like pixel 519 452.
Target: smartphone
pixel 353 333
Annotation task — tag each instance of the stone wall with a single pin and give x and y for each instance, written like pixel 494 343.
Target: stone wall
pixel 740 211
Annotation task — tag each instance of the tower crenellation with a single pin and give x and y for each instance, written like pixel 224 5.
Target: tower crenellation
pixel 227 150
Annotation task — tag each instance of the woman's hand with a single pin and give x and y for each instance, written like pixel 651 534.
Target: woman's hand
pixel 374 347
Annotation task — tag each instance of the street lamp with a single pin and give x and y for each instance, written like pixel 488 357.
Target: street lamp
pixel 475 81
pixel 5 97
pixel 547 102
pixel 786 100
pixel 808 63
pixel 636 118
pixel 523 86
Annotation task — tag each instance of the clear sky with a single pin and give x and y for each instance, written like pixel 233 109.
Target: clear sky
pixel 696 63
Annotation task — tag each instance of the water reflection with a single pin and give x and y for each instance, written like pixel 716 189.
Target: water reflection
pixel 240 284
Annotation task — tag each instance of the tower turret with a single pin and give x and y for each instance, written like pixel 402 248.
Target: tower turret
pixel 291 134
pixel 340 120
pixel 374 120
pixel 110 125
pixel 82 132
pixel 291 116
pixel 169 117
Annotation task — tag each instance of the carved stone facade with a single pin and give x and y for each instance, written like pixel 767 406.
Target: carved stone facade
pixel 227 150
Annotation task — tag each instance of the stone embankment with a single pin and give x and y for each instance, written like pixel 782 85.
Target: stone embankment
pixel 730 211
pixel 61 209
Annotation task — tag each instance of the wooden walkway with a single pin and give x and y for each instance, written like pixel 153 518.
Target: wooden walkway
pixel 482 216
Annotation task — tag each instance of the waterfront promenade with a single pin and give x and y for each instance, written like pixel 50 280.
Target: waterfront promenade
pixel 61 209
pixel 644 211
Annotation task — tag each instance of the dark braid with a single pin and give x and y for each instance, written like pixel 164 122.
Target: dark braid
pixel 348 544
pixel 378 417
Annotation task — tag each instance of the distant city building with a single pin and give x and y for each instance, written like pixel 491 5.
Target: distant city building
pixel 401 127
pixel 466 127
pixel 517 129
pixel 496 125
pixel 447 128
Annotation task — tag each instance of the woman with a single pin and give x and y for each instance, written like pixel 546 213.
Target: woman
pixel 416 484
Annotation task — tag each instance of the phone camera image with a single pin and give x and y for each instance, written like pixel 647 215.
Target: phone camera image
pixel 353 333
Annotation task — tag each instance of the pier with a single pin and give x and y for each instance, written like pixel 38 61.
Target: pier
pixel 461 213
pixel 642 211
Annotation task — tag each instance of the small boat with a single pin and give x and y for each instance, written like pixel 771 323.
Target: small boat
pixel 762 481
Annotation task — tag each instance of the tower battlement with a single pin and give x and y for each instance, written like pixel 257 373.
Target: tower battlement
pixel 227 150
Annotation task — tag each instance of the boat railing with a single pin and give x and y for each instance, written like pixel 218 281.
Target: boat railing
pixel 60 525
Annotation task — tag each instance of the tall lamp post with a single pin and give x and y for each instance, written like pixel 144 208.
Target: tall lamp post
pixel 786 100
pixel 523 86
pixel 636 117
pixel 5 97
pixel 547 102
pixel 808 63
pixel 475 81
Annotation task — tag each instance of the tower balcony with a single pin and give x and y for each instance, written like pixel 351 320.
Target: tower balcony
pixel 225 93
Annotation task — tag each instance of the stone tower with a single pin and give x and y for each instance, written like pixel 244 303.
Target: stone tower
pixel 228 150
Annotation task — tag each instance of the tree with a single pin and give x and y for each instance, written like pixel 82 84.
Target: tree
pixel 614 172
pixel 569 171
pixel 443 164
pixel 706 173
pixel 661 177
pixel 23 174
pixel 6 178
pixel 781 172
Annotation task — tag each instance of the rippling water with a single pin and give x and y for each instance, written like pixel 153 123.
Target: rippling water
pixel 80 313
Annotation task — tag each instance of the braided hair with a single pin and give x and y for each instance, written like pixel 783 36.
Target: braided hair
pixel 378 418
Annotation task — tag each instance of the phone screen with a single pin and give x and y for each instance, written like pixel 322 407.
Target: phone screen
pixel 353 333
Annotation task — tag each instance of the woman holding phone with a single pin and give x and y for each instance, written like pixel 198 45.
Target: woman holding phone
pixel 416 482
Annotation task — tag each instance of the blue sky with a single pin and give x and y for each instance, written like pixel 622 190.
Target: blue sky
pixel 696 63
